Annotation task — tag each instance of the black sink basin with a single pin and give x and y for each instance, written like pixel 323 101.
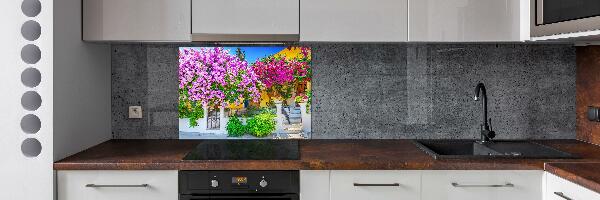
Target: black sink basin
pixel 468 149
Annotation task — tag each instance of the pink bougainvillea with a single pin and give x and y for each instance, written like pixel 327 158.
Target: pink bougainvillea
pixel 280 75
pixel 214 77
pixel 274 71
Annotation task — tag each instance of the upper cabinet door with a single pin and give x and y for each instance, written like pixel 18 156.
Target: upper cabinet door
pixel 245 20
pixel 354 20
pixel 136 20
pixel 468 20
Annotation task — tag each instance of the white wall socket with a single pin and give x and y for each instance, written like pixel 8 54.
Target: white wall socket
pixel 135 112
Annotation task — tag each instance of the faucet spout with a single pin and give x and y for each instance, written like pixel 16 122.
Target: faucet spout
pixel 486 133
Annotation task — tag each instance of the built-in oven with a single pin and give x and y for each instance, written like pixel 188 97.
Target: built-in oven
pixel 552 17
pixel 238 185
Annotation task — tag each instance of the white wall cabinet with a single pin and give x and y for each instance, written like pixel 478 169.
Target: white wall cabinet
pixel 560 189
pixel 117 185
pixel 482 185
pixel 242 20
pixel 307 20
pixel 136 20
pixel 375 185
pixel 468 21
pixel 354 20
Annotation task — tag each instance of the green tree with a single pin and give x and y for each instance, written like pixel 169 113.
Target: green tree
pixel 240 54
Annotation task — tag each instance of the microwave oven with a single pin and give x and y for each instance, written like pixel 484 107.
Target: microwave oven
pixel 554 17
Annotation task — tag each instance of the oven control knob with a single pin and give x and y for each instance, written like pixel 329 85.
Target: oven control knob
pixel 263 183
pixel 214 183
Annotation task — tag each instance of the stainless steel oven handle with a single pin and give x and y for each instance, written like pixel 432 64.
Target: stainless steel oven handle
pixel 115 186
pixel 492 185
pixel 376 184
pixel 562 195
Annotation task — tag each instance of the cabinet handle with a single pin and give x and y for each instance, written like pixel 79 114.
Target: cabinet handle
pixel 470 186
pixel 562 195
pixel 115 186
pixel 376 184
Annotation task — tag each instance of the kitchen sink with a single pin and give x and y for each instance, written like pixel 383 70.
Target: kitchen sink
pixel 471 149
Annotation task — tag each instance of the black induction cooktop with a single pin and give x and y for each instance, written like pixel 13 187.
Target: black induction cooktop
pixel 245 150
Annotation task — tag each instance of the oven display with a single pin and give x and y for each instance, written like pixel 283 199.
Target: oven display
pixel 239 180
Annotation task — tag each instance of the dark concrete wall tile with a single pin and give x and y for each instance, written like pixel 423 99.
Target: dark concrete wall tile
pixel 368 91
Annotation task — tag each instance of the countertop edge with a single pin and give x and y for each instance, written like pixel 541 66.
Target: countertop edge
pixel 572 177
pixel 400 154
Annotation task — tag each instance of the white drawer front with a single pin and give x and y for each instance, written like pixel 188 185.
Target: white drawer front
pixel 482 185
pixel 560 189
pixel 162 185
pixel 343 188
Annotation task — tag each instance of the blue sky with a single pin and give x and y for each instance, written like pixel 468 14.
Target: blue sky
pixel 252 53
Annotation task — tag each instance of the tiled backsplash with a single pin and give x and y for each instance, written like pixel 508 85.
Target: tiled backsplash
pixel 383 90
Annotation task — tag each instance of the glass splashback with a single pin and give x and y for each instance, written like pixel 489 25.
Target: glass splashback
pixel 245 92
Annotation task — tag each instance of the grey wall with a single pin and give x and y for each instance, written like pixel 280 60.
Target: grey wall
pixel 384 90
pixel 82 82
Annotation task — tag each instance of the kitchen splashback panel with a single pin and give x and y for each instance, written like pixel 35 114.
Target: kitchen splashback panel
pixel 235 92
pixel 373 91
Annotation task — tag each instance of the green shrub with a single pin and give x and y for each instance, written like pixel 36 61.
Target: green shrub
pixel 309 101
pixel 252 111
pixel 191 110
pixel 235 128
pixel 261 125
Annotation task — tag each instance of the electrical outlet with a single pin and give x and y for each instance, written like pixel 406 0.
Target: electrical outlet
pixel 135 112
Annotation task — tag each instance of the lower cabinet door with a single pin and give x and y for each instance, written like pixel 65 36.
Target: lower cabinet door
pixel 482 185
pixel 375 185
pixel 117 185
pixel 560 189
pixel 314 184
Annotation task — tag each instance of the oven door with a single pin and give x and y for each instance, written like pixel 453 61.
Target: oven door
pixel 240 197
pixel 551 17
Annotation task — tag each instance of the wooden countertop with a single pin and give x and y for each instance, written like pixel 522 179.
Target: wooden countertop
pixel 584 174
pixel 331 155
pixel 314 155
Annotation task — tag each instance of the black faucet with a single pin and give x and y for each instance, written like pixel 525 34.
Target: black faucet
pixel 487 134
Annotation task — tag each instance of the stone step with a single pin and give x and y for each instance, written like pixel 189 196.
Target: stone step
pixel 295 120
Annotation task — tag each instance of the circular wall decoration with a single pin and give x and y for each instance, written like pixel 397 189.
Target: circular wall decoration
pixel 31 147
pixel 31 77
pixel 31 54
pixel 31 30
pixel 31 124
pixel 31 100
pixel 31 8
